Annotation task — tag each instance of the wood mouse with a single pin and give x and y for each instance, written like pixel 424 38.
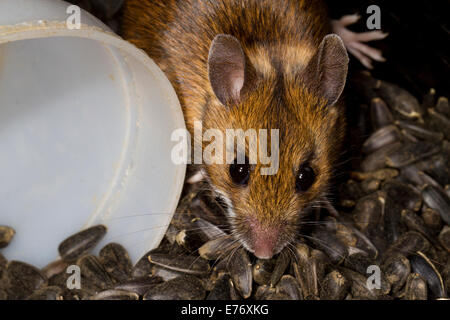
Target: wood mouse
pixel 258 64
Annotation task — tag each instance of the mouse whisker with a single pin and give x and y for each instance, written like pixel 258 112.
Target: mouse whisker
pixel 136 216
pixel 137 231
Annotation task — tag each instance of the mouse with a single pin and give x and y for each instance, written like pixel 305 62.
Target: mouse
pixel 258 64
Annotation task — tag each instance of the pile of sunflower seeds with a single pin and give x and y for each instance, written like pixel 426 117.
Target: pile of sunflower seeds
pixel 389 237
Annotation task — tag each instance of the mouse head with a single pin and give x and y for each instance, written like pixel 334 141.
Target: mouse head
pixel 265 210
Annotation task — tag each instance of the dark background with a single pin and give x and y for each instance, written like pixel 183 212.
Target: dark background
pixel 417 46
pixel 417 59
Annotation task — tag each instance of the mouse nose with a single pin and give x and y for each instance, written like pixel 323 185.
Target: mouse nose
pixel 264 241
pixel 263 250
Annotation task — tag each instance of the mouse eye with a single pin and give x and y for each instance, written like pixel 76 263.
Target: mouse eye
pixel 240 173
pixel 305 178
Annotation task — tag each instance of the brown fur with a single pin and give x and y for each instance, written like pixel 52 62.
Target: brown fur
pixel 278 39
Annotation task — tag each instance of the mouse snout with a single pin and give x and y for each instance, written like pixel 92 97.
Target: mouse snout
pixel 264 249
pixel 264 240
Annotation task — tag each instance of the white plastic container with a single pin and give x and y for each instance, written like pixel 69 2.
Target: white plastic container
pixel 85 126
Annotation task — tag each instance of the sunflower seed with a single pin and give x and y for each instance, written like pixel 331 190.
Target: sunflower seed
pixel 432 219
pixel 47 293
pixel 191 240
pixel 408 242
pixel 6 235
pixel 440 122
pixel 309 270
pixel 416 288
pixel 263 291
pixel 94 274
pixel 277 296
pixel 280 267
pixel 165 274
pixel 116 261
pixel 210 230
pixel 429 99
pixel 370 185
pixel 23 279
pixel 113 294
pixel 143 267
pixel 421 265
pixel 399 196
pixel 221 289
pixel 377 159
pixel 54 268
pixel 438 168
pixel 382 174
pixel 414 222
pixel 436 199
pixel 77 294
pixel 369 211
pixel 400 100
pixel 186 287
pixel 381 138
pixel 419 131
pixel 410 153
pixel 442 106
pixel 3 263
pixel 80 243
pixel 289 286
pixel 240 269
pixel 140 285
pixel 444 238
pixel 234 293
pixel 446 277
pixel 334 286
pixel 359 289
pixel 212 213
pixel 396 269
pixel 216 248
pixel 262 270
pixel 413 174
pixel 330 244
pixel 380 114
pixel 358 261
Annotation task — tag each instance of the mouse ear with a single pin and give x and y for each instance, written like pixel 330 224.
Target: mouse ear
pixel 327 70
pixel 226 68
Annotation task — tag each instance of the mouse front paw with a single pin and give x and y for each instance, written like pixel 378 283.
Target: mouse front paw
pixel 354 42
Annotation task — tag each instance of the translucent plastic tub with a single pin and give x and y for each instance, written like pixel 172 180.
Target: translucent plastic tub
pixel 85 126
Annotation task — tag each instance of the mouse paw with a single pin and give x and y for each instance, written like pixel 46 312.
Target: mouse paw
pixel 354 42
